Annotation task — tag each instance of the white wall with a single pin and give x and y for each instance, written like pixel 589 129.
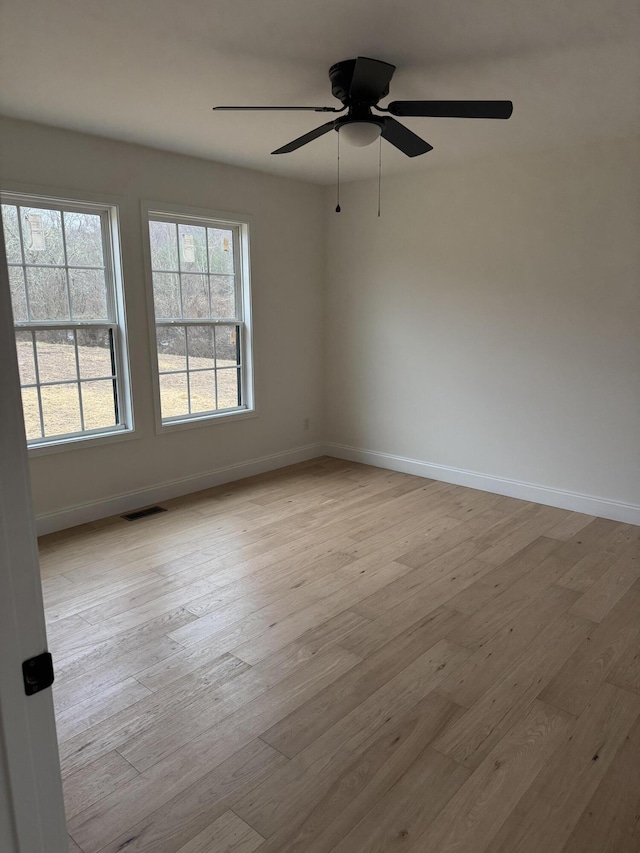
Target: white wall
pixel 490 320
pixel 287 244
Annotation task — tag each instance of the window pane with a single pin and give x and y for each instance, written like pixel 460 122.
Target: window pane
pixel 223 296
pixel 192 241
pixel 227 351
pixel 83 234
pixel 18 298
pixel 60 277
pixel 173 395
pixel 42 236
pixel 200 341
pixel 195 297
pixel 31 412
pixel 198 315
pixel 88 295
pixel 220 250
pixel 47 294
pixel 56 356
pixel 166 296
pixel 26 362
pixel 60 409
pixel 163 237
pixel 203 391
pixel 228 385
pixel 172 348
pixel 11 233
pixel 94 353
pixel 98 406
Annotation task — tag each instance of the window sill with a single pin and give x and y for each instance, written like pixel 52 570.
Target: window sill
pixel 209 420
pixel 81 443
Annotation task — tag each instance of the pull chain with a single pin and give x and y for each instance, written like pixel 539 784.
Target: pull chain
pixel 379 172
pixel 338 199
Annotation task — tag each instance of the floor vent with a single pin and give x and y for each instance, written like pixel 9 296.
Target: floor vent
pixel 143 513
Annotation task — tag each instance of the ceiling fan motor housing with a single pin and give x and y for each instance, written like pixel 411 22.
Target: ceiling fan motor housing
pixel 342 82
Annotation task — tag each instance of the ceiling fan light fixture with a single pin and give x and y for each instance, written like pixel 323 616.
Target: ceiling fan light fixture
pixel 360 133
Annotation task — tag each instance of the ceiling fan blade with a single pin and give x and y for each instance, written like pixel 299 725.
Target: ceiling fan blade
pixel 452 109
pixel 403 138
pixel 370 80
pixel 313 109
pixel 308 137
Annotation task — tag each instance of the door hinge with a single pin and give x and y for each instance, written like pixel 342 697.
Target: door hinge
pixel 37 673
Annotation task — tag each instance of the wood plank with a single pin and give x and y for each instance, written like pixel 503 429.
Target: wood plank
pixel 204 695
pixel 573 687
pixel 597 539
pixel 567 527
pixel 494 582
pixel 626 670
pixel 101 777
pixel 545 816
pixel 475 813
pixel 408 808
pixel 543 518
pixel 228 834
pixel 597 546
pixel 278 634
pixel 609 823
pixel 192 811
pixel 332 632
pixel 364 641
pixel 282 802
pixel 513 601
pixel 110 649
pixel 101 823
pixel 98 707
pixel 305 724
pixel 173 730
pixel 607 591
pixel 113 662
pixel 484 528
pixel 412 583
pixel 186 661
pixel 344 798
pixel 472 737
pixel 341 593
pixel 505 648
pixel 117 729
pixel 61 630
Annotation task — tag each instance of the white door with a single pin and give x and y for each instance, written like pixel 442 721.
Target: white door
pixel 31 805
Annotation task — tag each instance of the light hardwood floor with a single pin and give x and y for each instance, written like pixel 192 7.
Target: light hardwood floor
pixel 333 657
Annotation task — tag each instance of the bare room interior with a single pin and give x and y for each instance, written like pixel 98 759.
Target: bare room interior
pixel 320 463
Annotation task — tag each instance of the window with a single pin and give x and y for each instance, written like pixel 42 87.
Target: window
pixel 199 273
pixel 68 317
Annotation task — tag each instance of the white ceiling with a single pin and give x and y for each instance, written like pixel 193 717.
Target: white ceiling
pixel 149 71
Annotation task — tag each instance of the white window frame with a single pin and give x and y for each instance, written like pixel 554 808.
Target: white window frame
pixel 208 218
pixel 108 210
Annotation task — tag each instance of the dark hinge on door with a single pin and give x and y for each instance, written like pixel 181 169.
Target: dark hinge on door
pixel 37 673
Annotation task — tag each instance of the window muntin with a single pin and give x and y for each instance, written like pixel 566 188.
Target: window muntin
pixel 200 321
pixel 67 317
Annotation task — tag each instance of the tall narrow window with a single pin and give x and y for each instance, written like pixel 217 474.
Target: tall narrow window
pixel 68 317
pixel 199 271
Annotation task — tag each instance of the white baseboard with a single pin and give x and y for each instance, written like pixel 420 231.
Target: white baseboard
pixel 129 501
pixel 603 507
pixel 118 504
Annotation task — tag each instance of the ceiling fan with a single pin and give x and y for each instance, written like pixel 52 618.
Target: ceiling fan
pixel 360 84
